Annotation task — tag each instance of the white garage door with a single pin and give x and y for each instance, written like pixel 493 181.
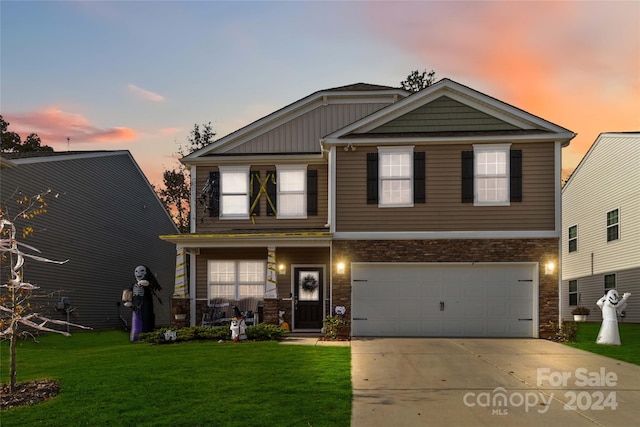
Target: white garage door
pixel 448 300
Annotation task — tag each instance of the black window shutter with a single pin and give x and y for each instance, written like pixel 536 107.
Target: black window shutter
pixel 372 178
pixel 516 175
pixel 214 194
pixel 254 190
pixel 467 177
pixel 272 193
pixel 312 192
pixel 419 176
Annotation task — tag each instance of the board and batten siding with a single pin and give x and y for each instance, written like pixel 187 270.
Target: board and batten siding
pixel 208 224
pixel 105 220
pixel 443 210
pixel 607 179
pixel 302 134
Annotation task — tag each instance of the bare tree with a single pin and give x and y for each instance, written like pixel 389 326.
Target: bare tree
pixel 417 81
pixel 16 311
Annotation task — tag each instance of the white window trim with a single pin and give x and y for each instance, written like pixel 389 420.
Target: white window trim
pixel 242 169
pixel 480 148
pixel 408 149
pixel 236 275
pixel 302 168
pixel 604 281
pixel 617 223
pixel 576 292
pixel 569 239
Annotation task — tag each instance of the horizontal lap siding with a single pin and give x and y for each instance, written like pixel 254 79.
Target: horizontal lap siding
pixel 443 210
pixel 207 224
pixel 286 256
pixel 105 221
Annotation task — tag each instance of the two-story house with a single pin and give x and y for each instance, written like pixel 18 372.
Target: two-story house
pixel 427 214
pixel 601 226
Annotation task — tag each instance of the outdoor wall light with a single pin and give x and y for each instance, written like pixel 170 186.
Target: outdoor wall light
pixel 549 268
pixel 340 268
pixel 282 269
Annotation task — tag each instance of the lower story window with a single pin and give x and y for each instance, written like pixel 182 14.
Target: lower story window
pixel 609 282
pixel 235 280
pixel 573 292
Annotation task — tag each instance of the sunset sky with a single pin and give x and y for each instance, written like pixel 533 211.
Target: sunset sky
pixel 118 75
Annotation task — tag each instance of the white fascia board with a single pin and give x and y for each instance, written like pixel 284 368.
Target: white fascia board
pixel 435 235
pixel 235 242
pixel 290 112
pixel 456 91
pixel 257 160
pixel 391 140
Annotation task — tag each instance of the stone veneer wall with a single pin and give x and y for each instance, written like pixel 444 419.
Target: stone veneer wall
pixel 455 250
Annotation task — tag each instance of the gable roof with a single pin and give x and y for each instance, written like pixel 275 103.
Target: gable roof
pixel 502 120
pixel 602 138
pixel 357 93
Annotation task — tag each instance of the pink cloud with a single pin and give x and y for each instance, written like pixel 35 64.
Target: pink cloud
pixel 169 131
pixel 573 63
pixel 145 94
pixel 54 125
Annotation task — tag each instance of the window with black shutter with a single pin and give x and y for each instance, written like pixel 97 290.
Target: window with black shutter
pixel 312 192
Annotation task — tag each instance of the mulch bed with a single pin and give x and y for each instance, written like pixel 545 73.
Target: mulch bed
pixel 28 393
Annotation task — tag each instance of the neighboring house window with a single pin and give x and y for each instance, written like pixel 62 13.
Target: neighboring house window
pixel 234 192
pixel 395 176
pixel 609 282
pixel 573 238
pixel 236 279
pixel 573 292
pixel 613 225
pixel 492 175
pixel 292 191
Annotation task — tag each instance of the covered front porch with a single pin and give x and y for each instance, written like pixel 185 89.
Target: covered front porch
pixel 288 272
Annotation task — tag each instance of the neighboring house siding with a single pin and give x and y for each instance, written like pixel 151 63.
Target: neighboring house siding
pixel 608 179
pixel 105 221
pixel 443 210
pixel 207 224
pixel 303 133
pixel 442 115
pixel 591 288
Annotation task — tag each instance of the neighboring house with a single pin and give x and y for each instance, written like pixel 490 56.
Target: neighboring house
pixel 104 217
pixel 426 214
pixel 601 226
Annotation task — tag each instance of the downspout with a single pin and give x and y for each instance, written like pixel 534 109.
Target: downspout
pixel 558 222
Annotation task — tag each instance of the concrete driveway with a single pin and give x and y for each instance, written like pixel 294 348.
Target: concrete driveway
pixel 488 382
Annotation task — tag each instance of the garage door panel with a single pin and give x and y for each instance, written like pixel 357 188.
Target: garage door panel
pixel 443 300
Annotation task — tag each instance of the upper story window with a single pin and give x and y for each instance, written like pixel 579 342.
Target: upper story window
pixel 234 192
pixel 292 191
pixel 609 282
pixel 573 238
pixel 491 174
pixel 613 225
pixel 395 176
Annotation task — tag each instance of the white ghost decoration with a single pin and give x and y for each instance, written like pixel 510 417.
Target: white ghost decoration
pixel 611 305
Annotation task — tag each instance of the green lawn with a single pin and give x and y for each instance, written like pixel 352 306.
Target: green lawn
pixel 629 351
pixel 107 381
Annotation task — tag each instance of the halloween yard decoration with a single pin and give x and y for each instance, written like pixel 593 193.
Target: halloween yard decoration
pixel 141 295
pixel 611 304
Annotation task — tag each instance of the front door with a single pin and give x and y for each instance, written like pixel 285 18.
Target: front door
pixel 308 291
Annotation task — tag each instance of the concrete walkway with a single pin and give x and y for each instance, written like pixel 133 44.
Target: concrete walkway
pixel 489 382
